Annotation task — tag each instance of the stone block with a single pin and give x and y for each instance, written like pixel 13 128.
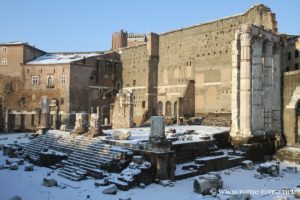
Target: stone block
pixel 121 134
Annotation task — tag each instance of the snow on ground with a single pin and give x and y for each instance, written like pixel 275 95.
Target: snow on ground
pixel 139 134
pixel 29 186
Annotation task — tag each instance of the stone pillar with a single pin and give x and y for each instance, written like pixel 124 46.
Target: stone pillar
pixel 276 113
pixel 268 89
pixel 81 124
pixel 235 86
pixel 257 83
pixel 245 82
pixel 6 121
pixel 157 139
pixel 45 113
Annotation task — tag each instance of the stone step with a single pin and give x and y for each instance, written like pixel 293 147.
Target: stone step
pixel 93 154
pixel 87 163
pixel 69 176
pixel 87 157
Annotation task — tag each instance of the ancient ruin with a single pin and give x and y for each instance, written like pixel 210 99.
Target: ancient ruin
pixel 236 74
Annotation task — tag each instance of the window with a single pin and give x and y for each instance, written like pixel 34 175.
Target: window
pixel 50 82
pixel 133 82
pixel 4 49
pixel 287 69
pixel 289 56
pixel 296 54
pixel 4 61
pixel 35 80
pixel 62 100
pixel 296 66
pixel 143 104
pixel 63 79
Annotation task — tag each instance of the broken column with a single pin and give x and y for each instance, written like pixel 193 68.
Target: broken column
pixel 157 138
pixel 45 113
pixel 160 149
pixel 122 110
pixel 81 125
pixel 95 124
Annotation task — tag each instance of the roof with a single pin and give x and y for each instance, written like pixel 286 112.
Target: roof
pixel 60 58
pixel 13 43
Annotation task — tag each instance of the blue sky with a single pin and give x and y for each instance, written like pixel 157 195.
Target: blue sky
pixel 87 25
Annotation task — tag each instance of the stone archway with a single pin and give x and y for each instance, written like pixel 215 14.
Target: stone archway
pixel 160 108
pixel 168 108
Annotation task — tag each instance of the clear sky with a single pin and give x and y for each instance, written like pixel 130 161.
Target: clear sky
pixel 87 25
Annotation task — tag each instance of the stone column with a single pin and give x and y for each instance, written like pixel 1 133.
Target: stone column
pixel 45 113
pixel 257 93
pixel 235 86
pixel 268 89
pixel 276 113
pixel 6 121
pixel 245 82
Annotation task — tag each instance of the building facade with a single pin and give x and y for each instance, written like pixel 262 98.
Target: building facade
pixel 194 72
pixel 73 82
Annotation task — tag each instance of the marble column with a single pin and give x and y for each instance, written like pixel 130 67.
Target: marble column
pixel 245 83
pixel 257 82
pixel 268 89
pixel 276 112
pixel 235 86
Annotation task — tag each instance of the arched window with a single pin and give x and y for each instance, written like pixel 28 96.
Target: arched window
pixel 50 82
pixel 159 108
pixel 168 108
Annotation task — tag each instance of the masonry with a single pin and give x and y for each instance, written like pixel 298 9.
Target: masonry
pixel 193 74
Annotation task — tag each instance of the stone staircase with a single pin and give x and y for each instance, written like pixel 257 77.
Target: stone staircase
pixel 86 156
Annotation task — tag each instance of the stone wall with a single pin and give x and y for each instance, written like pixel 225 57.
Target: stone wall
pixel 122 110
pixel 200 53
pixel 203 53
pixel 291 97
pixel 140 76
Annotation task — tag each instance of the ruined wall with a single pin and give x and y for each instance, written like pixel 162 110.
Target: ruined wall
pixel 203 53
pixel 140 69
pixel 135 77
pixel 291 97
pixel 292 54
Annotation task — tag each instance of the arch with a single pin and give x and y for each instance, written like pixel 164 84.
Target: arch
pixel 160 108
pixel 168 108
pixel 175 108
pixel 50 81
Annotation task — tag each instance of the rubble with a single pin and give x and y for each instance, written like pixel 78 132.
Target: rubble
pixel 63 127
pixel 28 167
pixel 207 184
pixel 247 164
pixel 50 182
pixel 14 166
pixel 240 197
pixel 271 169
pixel 103 182
pixel 291 169
pixel 121 134
pixel 257 175
pixel 166 183
pixel 111 189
